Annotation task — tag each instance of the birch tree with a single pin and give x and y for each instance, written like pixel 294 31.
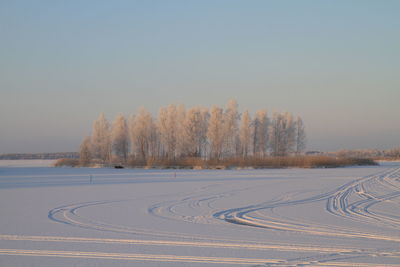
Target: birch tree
pixel 181 145
pixel 230 129
pixel 119 138
pixel 261 136
pixel 289 133
pixel 84 152
pixel 167 126
pixel 300 136
pixel 143 134
pixel 282 134
pixel 216 132
pixel 245 134
pixel 100 140
pixel 203 141
pixel 154 140
pixel 277 134
pixel 195 131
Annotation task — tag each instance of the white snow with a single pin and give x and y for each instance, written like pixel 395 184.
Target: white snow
pixel 287 217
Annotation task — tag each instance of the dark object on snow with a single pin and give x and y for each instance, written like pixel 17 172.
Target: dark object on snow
pixel 118 167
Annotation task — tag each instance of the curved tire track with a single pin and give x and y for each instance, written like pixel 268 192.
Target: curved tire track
pixel 338 202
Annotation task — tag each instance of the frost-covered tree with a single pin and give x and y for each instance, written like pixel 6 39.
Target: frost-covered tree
pixel 167 126
pixel 119 138
pixel 245 134
pixel 195 131
pixel 275 133
pixel 215 132
pixel 300 136
pixel 101 139
pixel 143 135
pixel 154 140
pixel 84 152
pixel 282 134
pixel 203 141
pixel 181 145
pixel 260 134
pixel 230 129
pixel 290 133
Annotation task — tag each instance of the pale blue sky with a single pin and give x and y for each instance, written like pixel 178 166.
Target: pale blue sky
pixel 335 63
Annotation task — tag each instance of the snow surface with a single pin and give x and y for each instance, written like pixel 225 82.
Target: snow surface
pixel 285 217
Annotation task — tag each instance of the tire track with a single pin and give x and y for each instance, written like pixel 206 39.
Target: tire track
pixel 325 257
pixel 201 203
pixel 337 203
pixel 135 257
pixel 355 201
pixel 177 258
pixel 197 244
pixel 359 210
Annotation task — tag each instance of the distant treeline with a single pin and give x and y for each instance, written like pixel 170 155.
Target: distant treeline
pixel 58 155
pixel 376 154
pixel 207 134
pixel 301 161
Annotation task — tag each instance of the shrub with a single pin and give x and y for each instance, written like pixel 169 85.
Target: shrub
pixel 238 162
pixel 66 163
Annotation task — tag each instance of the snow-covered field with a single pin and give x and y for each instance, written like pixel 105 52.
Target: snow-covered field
pixel 107 217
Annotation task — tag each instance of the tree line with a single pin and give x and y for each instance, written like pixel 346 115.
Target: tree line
pixel 197 132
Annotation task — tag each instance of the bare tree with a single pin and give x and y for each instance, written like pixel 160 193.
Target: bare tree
pixel 245 134
pixel 119 138
pixel 290 133
pixel 276 133
pixel 84 152
pixel 100 140
pixel 143 134
pixel 181 145
pixel 261 136
pixel 154 140
pixel 215 132
pixel 167 126
pixel 203 142
pixel 300 136
pixel 282 134
pixel 194 131
pixel 230 128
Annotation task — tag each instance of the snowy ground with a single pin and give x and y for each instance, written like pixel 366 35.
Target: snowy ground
pixel 107 217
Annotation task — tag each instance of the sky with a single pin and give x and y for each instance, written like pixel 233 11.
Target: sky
pixel 334 63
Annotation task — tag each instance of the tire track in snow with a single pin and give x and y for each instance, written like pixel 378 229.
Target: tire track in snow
pixel 211 244
pixel 200 205
pixel 332 254
pixel 337 203
pixel 135 257
pixel 68 214
pixel 353 200
pixel 176 258
pixel 359 210
pixel 339 259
